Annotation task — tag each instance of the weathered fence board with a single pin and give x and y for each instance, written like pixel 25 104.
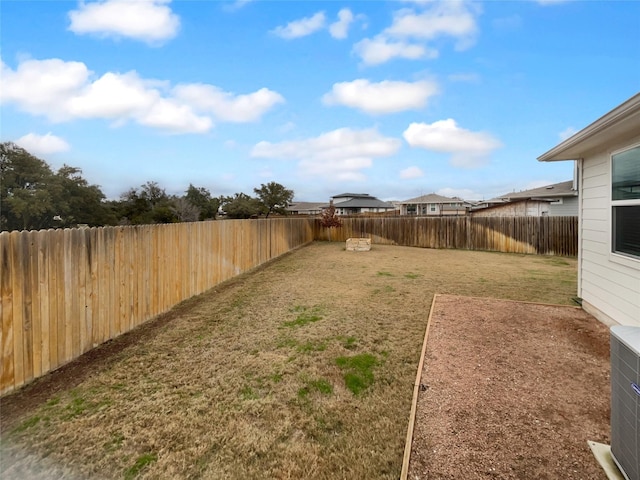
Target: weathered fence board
pixel 63 292
pixel 536 235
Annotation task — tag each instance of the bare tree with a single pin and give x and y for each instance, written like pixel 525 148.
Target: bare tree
pixel 185 210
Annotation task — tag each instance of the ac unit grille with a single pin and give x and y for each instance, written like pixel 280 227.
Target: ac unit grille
pixel 625 399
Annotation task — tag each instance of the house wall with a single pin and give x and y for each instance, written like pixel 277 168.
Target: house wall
pixel 530 208
pixel 454 213
pixel 568 207
pixel 431 209
pixel 358 210
pixel 426 209
pixel 374 210
pixel 609 284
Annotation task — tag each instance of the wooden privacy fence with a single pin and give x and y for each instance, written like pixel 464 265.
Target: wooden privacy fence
pixel 538 235
pixel 67 291
pixel 64 292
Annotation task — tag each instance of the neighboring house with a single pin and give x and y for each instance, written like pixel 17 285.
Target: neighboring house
pixel 356 203
pixel 525 207
pixel 557 200
pixel 433 204
pixel 608 156
pixel 492 202
pixel 305 208
pixel 562 198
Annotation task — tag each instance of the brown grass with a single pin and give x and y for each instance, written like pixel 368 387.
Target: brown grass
pixel 245 381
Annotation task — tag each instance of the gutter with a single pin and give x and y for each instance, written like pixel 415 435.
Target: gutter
pixel 626 109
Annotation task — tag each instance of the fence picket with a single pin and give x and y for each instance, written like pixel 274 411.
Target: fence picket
pixel 7 375
pixel 18 267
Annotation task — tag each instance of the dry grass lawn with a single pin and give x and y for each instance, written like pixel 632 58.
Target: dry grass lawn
pixel 301 369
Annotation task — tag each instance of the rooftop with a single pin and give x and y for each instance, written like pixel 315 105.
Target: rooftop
pixel 364 202
pixel 355 195
pixel 432 198
pixel 562 189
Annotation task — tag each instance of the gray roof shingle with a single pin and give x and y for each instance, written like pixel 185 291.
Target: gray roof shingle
pixel 562 189
pixel 431 198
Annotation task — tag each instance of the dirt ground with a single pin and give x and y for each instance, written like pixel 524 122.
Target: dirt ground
pixel 511 390
pixel 305 368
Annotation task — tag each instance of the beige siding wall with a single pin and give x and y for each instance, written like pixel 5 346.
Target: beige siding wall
pixel 518 209
pixel 610 289
pixel 568 207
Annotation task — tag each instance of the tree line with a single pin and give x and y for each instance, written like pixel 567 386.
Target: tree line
pixel 33 197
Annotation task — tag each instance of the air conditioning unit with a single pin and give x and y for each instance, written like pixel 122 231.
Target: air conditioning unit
pixel 625 400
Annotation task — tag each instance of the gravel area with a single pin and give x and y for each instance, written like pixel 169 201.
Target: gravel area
pixel 511 390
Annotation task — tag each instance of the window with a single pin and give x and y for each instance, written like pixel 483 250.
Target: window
pixel 625 202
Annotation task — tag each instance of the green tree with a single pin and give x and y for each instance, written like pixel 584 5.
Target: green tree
pixel 241 205
pixel 76 201
pixel 274 197
pixel 153 194
pixel 202 199
pixel 25 199
pixel 133 209
pixel 32 197
pixel 148 204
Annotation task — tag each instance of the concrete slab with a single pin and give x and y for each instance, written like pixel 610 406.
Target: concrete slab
pixel 602 453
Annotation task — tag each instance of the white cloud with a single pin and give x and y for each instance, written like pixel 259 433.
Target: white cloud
pixel 301 28
pixel 381 49
pixel 338 155
pixel 227 106
pixel 43 144
pixel 567 132
pixel 468 149
pixel 237 5
pixel 412 28
pixel 167 114
pixel 411 172
pixel 287 127
pixel 452 18
pixel 151 21
pixel 113 96
pixel 464 193
pixel 383 97
pixel 43 87
pixel 340 28
pixel 464 77
pixel 63 91
pixel 513 22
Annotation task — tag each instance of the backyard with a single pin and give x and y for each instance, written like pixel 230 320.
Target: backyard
pixel 304 368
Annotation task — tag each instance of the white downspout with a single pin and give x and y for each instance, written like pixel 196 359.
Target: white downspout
pixel 578 182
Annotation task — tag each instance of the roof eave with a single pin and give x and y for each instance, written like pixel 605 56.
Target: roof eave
pixel 625 116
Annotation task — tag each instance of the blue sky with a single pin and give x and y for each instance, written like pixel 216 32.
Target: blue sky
pixel 391 98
